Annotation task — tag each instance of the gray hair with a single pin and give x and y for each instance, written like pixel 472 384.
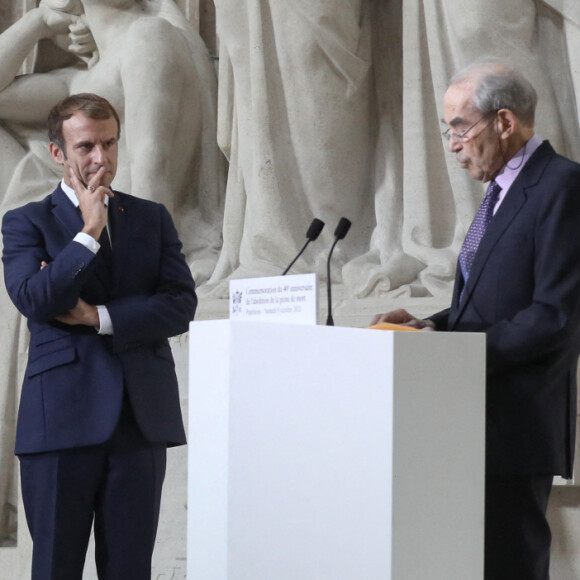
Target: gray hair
pixel 499 86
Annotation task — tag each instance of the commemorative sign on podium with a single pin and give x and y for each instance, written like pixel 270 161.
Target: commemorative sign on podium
pixel 287 299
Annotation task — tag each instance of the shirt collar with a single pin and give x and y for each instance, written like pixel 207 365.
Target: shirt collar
pixel 512 168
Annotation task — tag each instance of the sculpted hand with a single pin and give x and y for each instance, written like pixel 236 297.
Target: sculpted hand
pixel 92 202
pixel 82 42
pixel 82 313
pixel 55 21
pixel 401 316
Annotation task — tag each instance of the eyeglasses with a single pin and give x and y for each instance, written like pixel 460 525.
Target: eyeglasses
pixel 463 137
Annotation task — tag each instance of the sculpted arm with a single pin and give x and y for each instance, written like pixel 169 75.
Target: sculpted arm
pixel 18 40
pixel 156 74
pixel 28 98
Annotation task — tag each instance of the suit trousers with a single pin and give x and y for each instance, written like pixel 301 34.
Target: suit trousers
pixel 116 484
pixel 517 534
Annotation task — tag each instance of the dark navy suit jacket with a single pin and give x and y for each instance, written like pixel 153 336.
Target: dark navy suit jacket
pixel 524 293
pixel 75 379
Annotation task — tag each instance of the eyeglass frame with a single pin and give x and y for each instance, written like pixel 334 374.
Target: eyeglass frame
pixel 464 137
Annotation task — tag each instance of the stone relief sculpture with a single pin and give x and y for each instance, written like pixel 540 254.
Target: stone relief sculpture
pixel 148 61
pixel 385 268
pixel 318 119
pixel 153 67
pixel 439 201
pixel 297 127
pixel 570 12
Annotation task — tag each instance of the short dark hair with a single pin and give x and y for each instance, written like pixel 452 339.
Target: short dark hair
pixel 91 105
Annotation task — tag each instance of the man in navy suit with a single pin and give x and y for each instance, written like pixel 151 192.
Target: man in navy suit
pixel 518 280
pixel 100 276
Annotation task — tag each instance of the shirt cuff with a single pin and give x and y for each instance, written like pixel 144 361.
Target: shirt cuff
pixel 88 242
pixel 106 324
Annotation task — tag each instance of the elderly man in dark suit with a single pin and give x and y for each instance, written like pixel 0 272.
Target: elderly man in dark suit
pixel 518 280
pixel 102 281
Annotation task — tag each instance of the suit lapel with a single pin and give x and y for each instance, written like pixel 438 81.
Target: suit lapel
pixel 456 308
pixel 66 213
pixel 119 223
pixel 507 212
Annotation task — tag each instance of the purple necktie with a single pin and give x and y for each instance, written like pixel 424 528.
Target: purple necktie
pixel 477 229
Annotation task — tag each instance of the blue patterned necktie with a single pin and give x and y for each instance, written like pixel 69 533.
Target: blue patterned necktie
pixel 477 229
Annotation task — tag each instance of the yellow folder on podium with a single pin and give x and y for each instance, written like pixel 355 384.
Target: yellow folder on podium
pixel 391 326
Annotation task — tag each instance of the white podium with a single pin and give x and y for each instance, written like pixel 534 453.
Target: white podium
pixel 325 453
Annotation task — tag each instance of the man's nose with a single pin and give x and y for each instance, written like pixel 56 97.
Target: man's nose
pixel 99 155
pixel 455 144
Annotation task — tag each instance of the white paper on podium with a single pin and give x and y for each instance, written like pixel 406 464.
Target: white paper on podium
pixel 288 299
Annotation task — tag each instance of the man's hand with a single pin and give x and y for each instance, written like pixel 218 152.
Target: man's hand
pixel 403 318
pixel 92 202
pixel 82 313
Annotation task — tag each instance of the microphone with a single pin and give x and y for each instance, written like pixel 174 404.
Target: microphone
pixel 339 233
pixel 312 233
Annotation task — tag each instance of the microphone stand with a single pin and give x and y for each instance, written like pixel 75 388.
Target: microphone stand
pixel 312 234
pixel 296 258
pixel 329 319
pixel 339 233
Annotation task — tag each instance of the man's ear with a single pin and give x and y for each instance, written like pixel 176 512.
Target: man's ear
pixel 57 153
pixel 507 123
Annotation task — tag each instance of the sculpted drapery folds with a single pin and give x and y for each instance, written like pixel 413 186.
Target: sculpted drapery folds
pixel 295 122
pixel 438 200
pixel 330 109
pixel 326 110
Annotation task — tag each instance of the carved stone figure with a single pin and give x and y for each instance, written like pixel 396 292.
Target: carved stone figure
pixel 328 109
pixel 297 127
pixel 149 63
